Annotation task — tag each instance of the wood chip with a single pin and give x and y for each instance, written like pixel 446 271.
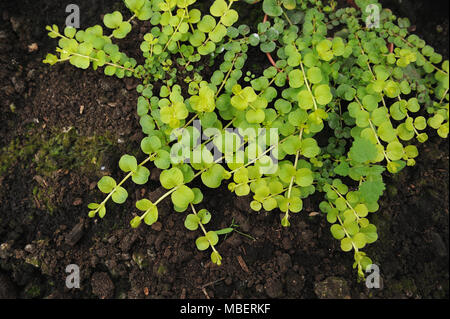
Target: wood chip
pixel 213 282
pixel 242 264
pixel 77 202
pixel 40 180
pixel 33 47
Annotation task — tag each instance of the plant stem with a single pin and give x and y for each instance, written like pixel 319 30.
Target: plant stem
pixel 150 157
pixel 291 183
pixel 203 229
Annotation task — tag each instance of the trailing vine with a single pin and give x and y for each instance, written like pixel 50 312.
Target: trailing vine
pixel 341 103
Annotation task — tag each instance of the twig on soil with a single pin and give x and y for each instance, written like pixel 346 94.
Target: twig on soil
pixel 206 293
pixel 243 264
pixel 183 293
pixel 212 283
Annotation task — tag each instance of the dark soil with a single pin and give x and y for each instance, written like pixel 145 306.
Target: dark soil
pixel 62 128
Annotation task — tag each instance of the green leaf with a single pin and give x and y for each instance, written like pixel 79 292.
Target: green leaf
pixel 85 48
pixel 191 222
pixel 255 116
pixel 123 30
pixel 342 169
pixel 120 195
pixel 182 196
pixel 371 191
pixel 229 18
pixel 216 258
pixel 291 145
pixel 141 175
pixel 93 206
pixel 134 5
pixel 70 32
pixel 204 215
pixel 204 101
pixel 106 184
pixel 102 211
pixel 212 237
pixel 289 4
pixel 323 94
pixel 110 70
pixel 162 159
pixel 370 232
pixel 346 244
pixel 304 177
pixel 296 79
pixel 207 24
pixel 361 210
pixel 224 231
pixel 218 33
pixel 171 178
pixel 198 196
pixel 420 123
pixel 202 243
pixel 285 222
pixel 309 148
pixel 337 231
pixel 151 216
pixel 370 102
pixel 297 117
pixel 135 222
pixel 218 8
pixel 150 144
pixel 213 176
pixel 268 47
pixel 144 204
pixel 128 163
pixel 272 8
pixel 363 150
pixel 150 209
pixel 386 132
pixel 305 100
pixel 255 205
pixel 314 75
pixel 324 49
pixel 113 20
pixel 395 151
pixel 411 151
pixel 80 62
pixel 392 89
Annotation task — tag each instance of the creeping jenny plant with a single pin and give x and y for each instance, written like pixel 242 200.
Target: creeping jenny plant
pixel 367 92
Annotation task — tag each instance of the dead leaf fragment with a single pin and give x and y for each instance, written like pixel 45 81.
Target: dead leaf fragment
pixel 243 264
pixel 33 47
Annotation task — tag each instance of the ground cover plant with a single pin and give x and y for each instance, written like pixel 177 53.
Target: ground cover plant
pixel 347 99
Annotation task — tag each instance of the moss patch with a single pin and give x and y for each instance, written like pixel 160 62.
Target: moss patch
pixel 49 154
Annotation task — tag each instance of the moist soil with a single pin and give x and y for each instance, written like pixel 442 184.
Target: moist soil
pixel 63 128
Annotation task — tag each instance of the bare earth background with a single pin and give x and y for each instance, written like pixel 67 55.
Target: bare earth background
pixel 62 128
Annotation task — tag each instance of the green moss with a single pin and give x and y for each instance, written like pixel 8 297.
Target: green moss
pixel 32 261
pixel 161 269
pixel 71 151
pixel 140 260
pixel 45 153
pixel 33 291
pixel 13 153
